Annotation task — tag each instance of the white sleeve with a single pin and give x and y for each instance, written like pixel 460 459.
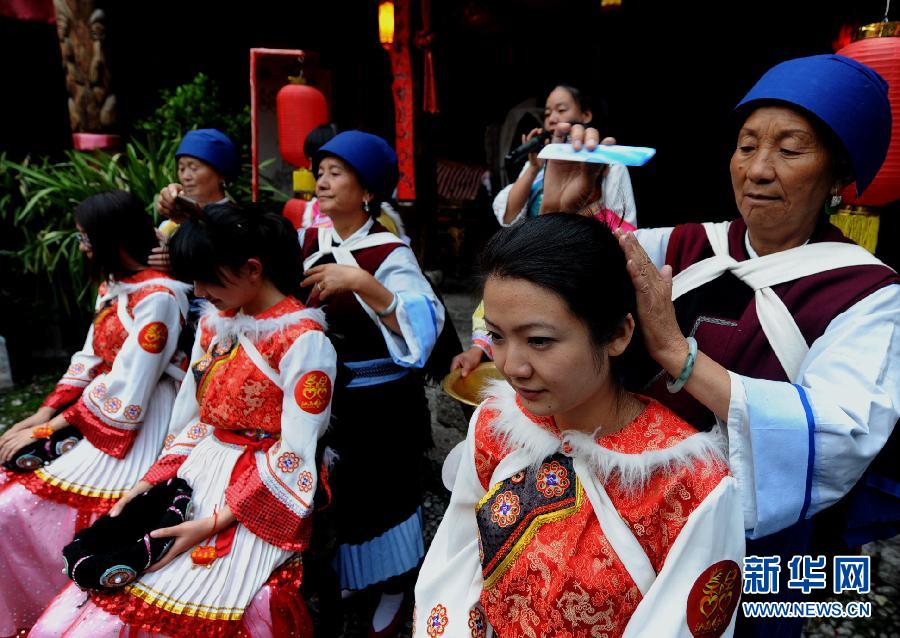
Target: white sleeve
pixel 419 312
pixel 798 448
pixel 655 241
pixel 449 586
pixel 501 200
pixel 697 590
pixel 618 195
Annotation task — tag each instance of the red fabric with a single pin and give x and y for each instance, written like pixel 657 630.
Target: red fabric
pixel 34 484
pixel 284 581
pixel 63 395
pixel 402 88
pixel 106 438
pixel 293 211
pixel 164 469
pixel 35 10
pixel 568 580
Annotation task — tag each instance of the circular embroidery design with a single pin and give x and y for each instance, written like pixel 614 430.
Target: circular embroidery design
pixel 305 483
pixel 437 621
pixel 29 462
pixel 153 337
pixel 505 509
pixel 552 479
pixel 117 576
pixel 197 431
pixel 518 477
pixel 76 368
pixel 288 462
pixel 99 391
pixel 133 412
pixel 112 405
pixel 66 444
pixel 313 392
pixel 713 599
pixel 170 438
pixel 477 626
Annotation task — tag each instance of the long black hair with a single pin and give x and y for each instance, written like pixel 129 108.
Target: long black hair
pixel 577 258
pixel 227 235
pixel 114 221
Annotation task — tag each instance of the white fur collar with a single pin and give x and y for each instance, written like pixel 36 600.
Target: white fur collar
pixel 517 431
pixel 256 329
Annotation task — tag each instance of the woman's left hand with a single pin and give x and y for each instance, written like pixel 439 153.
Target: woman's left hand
pixel 187 535
pixel 14 443
pixel 332 279
pixel 656 312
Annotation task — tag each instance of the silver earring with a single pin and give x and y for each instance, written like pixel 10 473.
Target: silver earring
pixel 836 201
pixel 366 205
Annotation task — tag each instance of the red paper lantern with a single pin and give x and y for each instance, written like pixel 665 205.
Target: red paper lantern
pixel 878 46
pixel 301 108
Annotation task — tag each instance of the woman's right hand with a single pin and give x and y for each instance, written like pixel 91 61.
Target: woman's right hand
pixel 134 492
pixel 165 203
pixel 40 417
pixel 568 186
pixel 467 360
pixel 533 157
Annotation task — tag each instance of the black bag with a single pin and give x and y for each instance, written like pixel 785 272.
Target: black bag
pixel 114 552
pixel 43 451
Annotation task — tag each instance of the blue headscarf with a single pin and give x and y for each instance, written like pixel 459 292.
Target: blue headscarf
pixel 849 97
pixel 370 156
pixel 213 147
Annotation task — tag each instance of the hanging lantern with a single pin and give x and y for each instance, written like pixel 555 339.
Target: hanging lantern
pixel 301 108
pixel 386 23
pixel 878 46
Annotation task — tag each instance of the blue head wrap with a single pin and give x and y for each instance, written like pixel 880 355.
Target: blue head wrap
pixel 370 156
pixel 213 147
pixel 847 96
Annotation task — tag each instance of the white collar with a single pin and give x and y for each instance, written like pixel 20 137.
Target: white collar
pixel 752 254
pixel 361 232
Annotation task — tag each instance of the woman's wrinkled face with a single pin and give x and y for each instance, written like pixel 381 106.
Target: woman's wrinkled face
pixel 544 351
pixel 236 288
pixel 781 173
pixel 338 188
pixel 201 182
pixel 561 107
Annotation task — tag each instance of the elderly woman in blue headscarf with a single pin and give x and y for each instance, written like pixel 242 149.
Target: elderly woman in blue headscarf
pixel 384 320
pixel 774 326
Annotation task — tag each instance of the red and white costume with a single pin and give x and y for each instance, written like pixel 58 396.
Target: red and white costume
pixel 560 533
pixel 119 389
pixel 244 432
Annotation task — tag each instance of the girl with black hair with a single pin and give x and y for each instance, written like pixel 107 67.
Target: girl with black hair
pixel 576 504
pixel 118 392
pixel 243 435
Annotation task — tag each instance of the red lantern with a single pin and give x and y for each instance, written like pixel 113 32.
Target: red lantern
pixel 301 108
pixel 878 46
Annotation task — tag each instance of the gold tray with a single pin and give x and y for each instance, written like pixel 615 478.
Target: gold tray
pixel 469 389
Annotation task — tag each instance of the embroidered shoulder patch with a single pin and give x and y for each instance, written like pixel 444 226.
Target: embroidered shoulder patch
pixel 713 599
pixel 313 392
pixel 512 512
pixel 153 337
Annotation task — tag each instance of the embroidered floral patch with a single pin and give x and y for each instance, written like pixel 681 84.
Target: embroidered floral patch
pixel 133 412
pixel 305 483
pixel 99 391
pixel 76 368
pixel 152 337
pixel 552 479
pixel 170 438
pixel 518 477
pixel 437 621
pixel 288 462
pixel 112 405
pixel 477 624
pixel 196 431
pixel 313 392
pixel 505 509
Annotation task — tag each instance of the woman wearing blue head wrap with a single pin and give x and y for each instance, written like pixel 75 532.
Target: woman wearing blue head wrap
pixel 384 320
pixel 777 328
